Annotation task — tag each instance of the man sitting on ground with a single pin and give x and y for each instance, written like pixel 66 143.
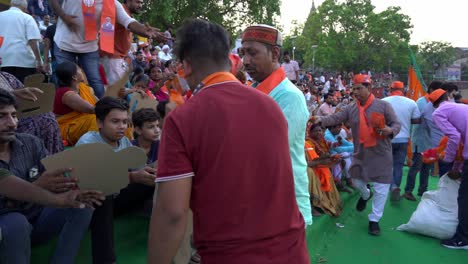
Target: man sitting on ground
pixel 25 224
pixel 112 121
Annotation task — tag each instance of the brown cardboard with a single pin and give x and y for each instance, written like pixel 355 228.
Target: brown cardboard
pixel 97 166
pixel 113 90
pixel 138 102
pixel 45 101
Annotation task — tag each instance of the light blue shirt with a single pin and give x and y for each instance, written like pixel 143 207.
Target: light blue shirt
pixel 421 135
pixel 95 137
pixel 435 132
pixel 346 146
pixel 292 102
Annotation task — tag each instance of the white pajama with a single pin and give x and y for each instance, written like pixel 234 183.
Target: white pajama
pixel 378 201
pixel 338 171
pixel 115 68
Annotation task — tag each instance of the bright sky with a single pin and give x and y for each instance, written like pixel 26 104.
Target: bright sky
pixel 432 19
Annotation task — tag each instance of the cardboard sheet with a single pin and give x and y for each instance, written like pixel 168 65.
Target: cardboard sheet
pixel 138 102
pixel 113 90
pixel 97 166
pixel 45 101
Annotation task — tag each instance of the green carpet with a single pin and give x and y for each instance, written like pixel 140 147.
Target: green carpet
pixel 327 243
pixel 351 244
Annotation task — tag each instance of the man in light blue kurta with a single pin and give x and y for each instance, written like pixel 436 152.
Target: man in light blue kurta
pixel 294 107
pixel 261 60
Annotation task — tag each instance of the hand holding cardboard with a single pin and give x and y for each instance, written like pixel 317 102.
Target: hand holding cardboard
pixel 97 166
pixel 139 101
pixel 44 102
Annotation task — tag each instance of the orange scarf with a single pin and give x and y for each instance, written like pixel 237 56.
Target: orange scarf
pixel 443 146
pixel 322 173
pixel 218 77
pixel 107 23
pixel 366 132
pixel 272 81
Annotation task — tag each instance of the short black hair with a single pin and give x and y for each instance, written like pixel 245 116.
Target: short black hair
pixel 143 115
pixel 286 53
pixel 449 87
pixel 325 97
pixel 65 72
pixel 107 104
pixel 7 99
pixel 141 78
pixel 434 86
pixel 203 43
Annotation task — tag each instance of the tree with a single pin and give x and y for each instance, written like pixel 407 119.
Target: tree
pixel 351 36
pixel 232 14
pixel 434 55
pixel 294 40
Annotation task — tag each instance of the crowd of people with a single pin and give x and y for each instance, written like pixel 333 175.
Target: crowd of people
pixel 243 150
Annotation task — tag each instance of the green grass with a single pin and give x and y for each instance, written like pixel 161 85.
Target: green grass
pixel 326 242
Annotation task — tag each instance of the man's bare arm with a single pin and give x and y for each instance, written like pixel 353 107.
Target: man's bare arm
pixel 34 44
pixel 146 30
pixel 168 220
pixel 47 46
pixel 416 121
pixel 19 189
pixel 57 8
pixel 69 20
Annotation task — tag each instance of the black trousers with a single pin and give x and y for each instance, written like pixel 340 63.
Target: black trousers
pixel 102 224
pixel 462 229
pixel 19 72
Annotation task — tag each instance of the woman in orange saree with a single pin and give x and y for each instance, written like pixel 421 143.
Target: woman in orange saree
pixel 322 189
pixel 74 103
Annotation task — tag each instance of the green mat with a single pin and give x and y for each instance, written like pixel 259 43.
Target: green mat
pixel 327 243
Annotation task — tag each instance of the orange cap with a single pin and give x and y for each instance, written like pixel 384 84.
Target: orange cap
pixel 435 95
pixel 397 85
pixel 361 78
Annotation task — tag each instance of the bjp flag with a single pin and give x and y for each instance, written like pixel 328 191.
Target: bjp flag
pixel 416 89
pixel 416 85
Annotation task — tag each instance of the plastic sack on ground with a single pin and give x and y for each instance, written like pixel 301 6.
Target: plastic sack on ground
pixel 437 213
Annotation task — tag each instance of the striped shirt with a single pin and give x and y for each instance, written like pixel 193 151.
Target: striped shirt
pixel 26 153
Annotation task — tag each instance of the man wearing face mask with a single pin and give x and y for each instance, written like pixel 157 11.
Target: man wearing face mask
pixel 261 45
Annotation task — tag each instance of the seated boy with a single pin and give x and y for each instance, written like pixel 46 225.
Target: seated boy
pixel 112 120
pixel 147 131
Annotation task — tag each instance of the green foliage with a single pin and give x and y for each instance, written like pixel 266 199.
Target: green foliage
pixel 234 15
pixel 434 55
pixel 351 36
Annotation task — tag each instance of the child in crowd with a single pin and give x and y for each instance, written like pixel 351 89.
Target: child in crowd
pixel 147 132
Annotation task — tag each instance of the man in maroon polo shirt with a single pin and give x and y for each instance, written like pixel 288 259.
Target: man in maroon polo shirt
pixel 225 154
